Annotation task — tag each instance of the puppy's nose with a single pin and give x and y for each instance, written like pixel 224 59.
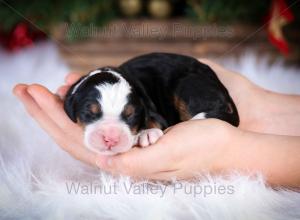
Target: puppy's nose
pixel 110 141
pixel 111 137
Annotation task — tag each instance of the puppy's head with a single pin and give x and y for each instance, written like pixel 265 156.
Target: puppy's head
pixel 108 108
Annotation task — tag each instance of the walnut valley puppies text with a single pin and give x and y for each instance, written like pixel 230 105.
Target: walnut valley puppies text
pixel 194 190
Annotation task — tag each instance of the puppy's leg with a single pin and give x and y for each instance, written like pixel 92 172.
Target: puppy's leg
pixel 149 136
pixel 198 98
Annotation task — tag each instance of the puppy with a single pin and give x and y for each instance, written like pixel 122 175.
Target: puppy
pixel 131 104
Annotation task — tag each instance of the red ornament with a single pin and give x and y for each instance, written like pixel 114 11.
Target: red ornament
pixel 280 15
pixel 21 36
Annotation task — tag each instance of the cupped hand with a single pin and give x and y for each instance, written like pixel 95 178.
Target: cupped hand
pixel 176 154
pixel 184 151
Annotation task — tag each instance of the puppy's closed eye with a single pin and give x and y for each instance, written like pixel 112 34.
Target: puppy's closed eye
pixel 128 110
pixel 90 112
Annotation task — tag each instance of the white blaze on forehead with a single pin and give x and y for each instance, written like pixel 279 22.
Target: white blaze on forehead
pixel 113 96
pixel 84 79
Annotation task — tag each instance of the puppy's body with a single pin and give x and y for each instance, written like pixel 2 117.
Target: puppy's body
pixel 130 104
pixel 180 87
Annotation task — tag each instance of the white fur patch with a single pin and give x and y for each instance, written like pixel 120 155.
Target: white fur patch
pixel 84 79
pixel 149 136
pixel 114 73
pixel 113 97
pixel 112 101
pixel 200 115
pixel 125 129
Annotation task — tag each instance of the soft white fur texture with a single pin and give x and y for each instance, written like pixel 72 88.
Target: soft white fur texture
pixel 34 171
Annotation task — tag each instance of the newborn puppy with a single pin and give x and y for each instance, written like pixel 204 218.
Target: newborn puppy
pixel 131 104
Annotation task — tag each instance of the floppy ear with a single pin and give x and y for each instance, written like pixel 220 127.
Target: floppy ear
pixel 70 99
pixel 70 106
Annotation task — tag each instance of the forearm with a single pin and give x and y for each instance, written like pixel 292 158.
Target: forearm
pixel 278 113
pixel 276 157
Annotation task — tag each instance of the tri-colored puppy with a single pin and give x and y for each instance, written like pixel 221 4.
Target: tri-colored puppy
pixel 131 104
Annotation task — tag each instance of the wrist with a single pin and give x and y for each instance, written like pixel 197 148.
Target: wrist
pixel 271 113
pixel 230 145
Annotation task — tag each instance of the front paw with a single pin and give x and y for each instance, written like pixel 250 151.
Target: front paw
pixel 149 136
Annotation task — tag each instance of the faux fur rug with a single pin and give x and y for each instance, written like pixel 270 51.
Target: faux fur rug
pixel 40 181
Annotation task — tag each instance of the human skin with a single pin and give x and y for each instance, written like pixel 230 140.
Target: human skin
pixel 266 141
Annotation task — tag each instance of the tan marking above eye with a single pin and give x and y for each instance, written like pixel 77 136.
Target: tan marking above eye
pixel 128 110
pixel 94 108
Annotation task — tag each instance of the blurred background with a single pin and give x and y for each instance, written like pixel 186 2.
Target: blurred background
pixel 93 33
pixel 42 40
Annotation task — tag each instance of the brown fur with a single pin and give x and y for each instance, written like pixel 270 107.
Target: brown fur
pixel 128 110
pixel 229 108
pixel 181 107
pixel 95 108
pixel 153 124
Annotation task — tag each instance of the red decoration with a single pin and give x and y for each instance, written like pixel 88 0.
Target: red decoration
pixel 280 15
pixel 21 36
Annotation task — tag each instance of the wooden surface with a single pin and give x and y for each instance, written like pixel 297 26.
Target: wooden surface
pixel 131 38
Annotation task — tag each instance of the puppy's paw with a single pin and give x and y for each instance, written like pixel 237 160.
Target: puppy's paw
pixel 149 136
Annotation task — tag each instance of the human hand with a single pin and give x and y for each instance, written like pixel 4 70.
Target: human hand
pixel 218 145
pixel 183 152
pixel 47 109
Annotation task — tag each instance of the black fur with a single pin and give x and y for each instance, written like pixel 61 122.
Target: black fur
pixel 163 75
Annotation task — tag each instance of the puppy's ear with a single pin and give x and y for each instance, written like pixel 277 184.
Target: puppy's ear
pixel 70 99
pixel 70 106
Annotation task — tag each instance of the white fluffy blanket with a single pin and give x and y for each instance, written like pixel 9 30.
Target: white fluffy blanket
pixel 40 181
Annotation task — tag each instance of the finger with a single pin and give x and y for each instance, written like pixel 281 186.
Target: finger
pixel 74 148
pixel 36 112
pixel 71 78
pixel 62 91
pixel 53 107
pixel 79 152
pixel 138 161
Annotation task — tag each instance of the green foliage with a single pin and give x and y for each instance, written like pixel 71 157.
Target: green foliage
pixel 228 10
pixel 45 13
